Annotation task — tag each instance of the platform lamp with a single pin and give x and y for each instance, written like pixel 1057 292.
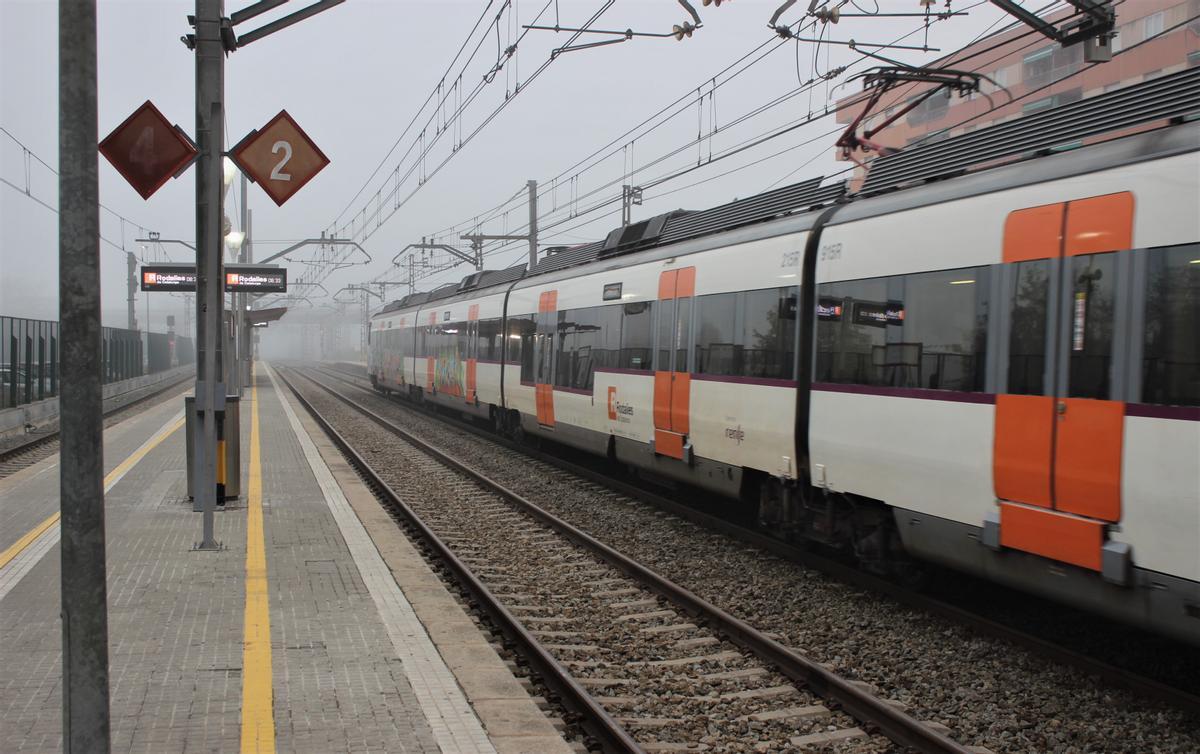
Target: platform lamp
pixel 233 242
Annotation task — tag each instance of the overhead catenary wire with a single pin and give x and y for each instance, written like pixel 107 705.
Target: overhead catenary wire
pixel 681 104
pixel 670 110
pixel 693 97
pixel 330 260
pixel 694 142
pixel 659 119
pixel 27 191
pixel 956 57
pixel 1010 41
pixel 378 218
pixel 784 129
pixel 437 89
pixel 363 231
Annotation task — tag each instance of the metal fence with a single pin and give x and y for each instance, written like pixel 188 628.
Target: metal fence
pixel 29 357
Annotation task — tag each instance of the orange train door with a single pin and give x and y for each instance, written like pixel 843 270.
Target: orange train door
pixel 543 356
pixel 431 338
pixel 472 353
pixel 1058 431
pixel 672 381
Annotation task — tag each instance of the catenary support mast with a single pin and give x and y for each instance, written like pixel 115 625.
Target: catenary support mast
pixel 210 122
pixel 81 459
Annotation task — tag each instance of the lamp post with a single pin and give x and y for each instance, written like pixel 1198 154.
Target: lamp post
pixel 233 242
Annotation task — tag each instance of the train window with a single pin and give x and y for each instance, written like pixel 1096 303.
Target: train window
pixel 489 340
pixel 945 320
pixel 637 335
pixel 666 332
pixel 588 339
pixel 683 333
pixel 1171 354
pixel 768 333
pixel 573 327
pixel 543 347
pixel 925 330
pixel 716 320
pixel 747 334
pixel 1027 340
pixel 1092 313
pixel 465 338
pixel 519 344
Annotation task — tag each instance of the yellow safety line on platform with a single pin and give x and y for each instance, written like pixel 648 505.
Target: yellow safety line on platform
pixel 258 713
pixel 112 478
pixel 7 556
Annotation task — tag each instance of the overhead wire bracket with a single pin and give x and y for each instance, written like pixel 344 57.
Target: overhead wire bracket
pixel 470 258
pixel 678 31
pixel 323 241
pixel 1095 29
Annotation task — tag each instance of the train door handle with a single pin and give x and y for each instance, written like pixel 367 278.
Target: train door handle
pixel 1060 407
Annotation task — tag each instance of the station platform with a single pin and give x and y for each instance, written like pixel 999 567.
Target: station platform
pixel 317 627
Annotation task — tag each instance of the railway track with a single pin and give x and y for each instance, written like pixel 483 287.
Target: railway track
pixel 1055 652
pixel 1069 701
pixel 649 665
pixel 35 449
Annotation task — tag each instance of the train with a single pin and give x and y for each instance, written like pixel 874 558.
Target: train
pixel 996 372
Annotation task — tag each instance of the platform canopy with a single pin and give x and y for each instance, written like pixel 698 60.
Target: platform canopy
pixel 263 316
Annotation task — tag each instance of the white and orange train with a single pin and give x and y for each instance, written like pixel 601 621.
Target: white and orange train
pixel 998 372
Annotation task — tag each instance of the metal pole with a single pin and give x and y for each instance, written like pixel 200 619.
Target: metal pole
pixel 247 352
pixel 131 264
pixel 240 299
pixel 366 324
pixel 533 229
pixel 210 119
pixel 81 458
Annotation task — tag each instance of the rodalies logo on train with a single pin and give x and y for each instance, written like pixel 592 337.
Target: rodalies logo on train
pixel 617 411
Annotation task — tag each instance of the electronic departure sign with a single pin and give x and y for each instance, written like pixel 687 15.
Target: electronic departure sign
pixel 239 278
pixel 251 279
pixel 179 278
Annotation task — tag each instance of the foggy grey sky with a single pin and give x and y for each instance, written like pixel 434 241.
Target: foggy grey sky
pixel 354 76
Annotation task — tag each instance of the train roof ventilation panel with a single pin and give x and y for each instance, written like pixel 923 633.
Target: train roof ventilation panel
pixel 637 235
pixel 443 291
pixel 1170 98
pixel 471 281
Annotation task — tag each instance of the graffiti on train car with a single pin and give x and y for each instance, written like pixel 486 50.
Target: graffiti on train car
pixel 448 372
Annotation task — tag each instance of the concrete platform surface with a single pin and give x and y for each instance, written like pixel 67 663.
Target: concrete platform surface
pixel 317 628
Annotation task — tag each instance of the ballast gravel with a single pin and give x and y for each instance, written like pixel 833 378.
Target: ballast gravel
pixel 986 691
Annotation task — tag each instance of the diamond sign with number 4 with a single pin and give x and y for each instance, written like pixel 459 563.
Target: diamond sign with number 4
pixel 279 157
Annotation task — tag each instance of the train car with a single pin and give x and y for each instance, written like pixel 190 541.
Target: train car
pixel 999 372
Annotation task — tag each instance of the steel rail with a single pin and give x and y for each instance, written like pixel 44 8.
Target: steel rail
pixel 11 454
pixel 596 719
pixel 891 721
pixel 1111 674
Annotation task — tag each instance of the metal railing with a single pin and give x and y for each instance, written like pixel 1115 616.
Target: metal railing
pixel 29 360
